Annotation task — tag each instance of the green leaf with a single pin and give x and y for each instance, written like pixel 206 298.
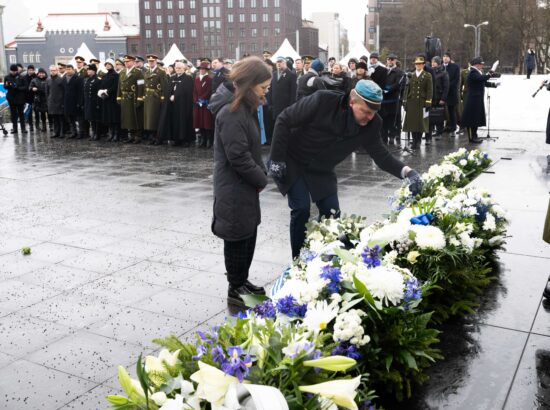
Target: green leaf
pixel 345 255
pixel 253 300
pixel 409 359
pixel 117 400
pixel 143 379
pixel 363 291
pixel 388 361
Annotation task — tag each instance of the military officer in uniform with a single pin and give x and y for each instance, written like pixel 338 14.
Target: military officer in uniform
pixel 140 63
pixel 82 72
pixel 130 98
pixel 80 67
pixel 156 85
pixel 306 60
pixel 92 109
pixel 419 99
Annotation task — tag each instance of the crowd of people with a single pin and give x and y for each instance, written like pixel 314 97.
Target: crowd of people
pixel 133 99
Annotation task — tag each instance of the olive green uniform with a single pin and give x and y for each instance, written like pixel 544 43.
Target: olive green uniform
pixel 156 85
pixel 130 97
pixel 419 97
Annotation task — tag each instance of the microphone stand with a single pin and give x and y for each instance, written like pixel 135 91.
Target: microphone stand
pixel 488 137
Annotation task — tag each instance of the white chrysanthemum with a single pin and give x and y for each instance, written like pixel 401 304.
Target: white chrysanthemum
pixel 319 314
pixel 496 240
pixel 466 241
pixel 390 257
pixel 292 287
pixel 490 223
pixel 463 162
pixel 429 237
pixel 348 328
pixel 405 216
pixel 384 283
pixel 391 232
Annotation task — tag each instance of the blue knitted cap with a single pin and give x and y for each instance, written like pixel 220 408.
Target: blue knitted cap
pixel 317 65
pixel 370 92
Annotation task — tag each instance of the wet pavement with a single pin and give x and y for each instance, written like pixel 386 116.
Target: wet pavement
pixel 122 253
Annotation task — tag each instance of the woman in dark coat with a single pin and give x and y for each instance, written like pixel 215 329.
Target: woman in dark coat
pixel 40 101
pixel 110 110
pixel 530 62
pixel 202 117
pixel 92 109
pixel 473 115
pixel 239 172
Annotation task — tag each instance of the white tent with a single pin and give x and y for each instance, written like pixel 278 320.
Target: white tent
pixel 173 55
pixel 286 50
pixel 356 52
pixel 84 52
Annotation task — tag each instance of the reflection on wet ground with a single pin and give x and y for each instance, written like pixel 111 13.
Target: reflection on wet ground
pixel 122 252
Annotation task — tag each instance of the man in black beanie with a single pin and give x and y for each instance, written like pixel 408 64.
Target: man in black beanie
pixel 16 87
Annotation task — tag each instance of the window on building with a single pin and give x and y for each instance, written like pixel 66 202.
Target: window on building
pixel 254 32
pixel 193 18
pixel 231 48
pixel 192 4
pixel 181 18
pixel 218 12
pixel 147 19
pixel 253 17
pixel 277 31
pixel 170 19
pixel 159 19
pixel 169 5
pixel 13 59
pixel 158 4
pixel 230 18
pixel 146 5
pixel 182 47
pixel 182 33
pixel 205 12
pixel 229 32
pixel 253 48
pixel 266 32
pixel 252 3
pixel 276 3
pixel 241 18
pixel 159 33
pixel 181 4
pixel 193 48
pixel 277 17
pixel 25 58
pixel 37 57
pixel 264 3
pixel 229 4
pixel 265 17
pixel 243 32
pixel 218 26
pixel 31 57
pixel 194 33
pixel 148 48
pixel 170 33
pixel 147 33
pixel 241 4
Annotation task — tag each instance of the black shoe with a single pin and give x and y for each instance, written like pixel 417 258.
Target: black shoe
pixel 391 141
pixel 546 292
pixel 153 142
pixel 14 131
pixel 24 131
pixel 136 142
pixel 257 290
pixel 428 141
pixel 476 140
pixel 55 136
pixel 234 295
pixel 72 137
pixel 128 141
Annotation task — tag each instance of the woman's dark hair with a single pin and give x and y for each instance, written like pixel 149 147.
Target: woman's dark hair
pixel 245 75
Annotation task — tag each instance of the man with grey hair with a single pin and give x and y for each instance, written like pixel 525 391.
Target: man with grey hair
pixel 55 94
pixel 180 113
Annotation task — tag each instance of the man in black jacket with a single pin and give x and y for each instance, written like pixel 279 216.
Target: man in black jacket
pixel 219 73
pixel 16 86
pixel 452 98
pixel 283 88
pixel 73 101
pixel 316 134
pixel 440 96
pixel 377 72
pixel 391 104
pixel 311 81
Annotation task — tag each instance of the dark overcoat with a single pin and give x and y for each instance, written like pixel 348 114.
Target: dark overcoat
pixel 92 108
pixel 55 92
pixel 317 133
pixel 239 172
pixel 218 78
pixel 392 89
pixel 474 104
pixel 74 96
pixel 441 85
pixel 110 110
pixel 16 87
pixel 308 84
pixel 454 81
pixel 283 91
pixel 530 60
pixel 202 91
pixel 419 97
pixel 181 109
pixel 40 100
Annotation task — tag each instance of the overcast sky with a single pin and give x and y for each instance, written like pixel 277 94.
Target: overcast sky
pixel 19 14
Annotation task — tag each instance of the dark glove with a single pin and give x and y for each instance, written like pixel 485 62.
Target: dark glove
pixel 415 182
pixel 276 170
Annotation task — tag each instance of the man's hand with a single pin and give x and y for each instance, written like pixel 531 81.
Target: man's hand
pixel 276 170
pixel 415 182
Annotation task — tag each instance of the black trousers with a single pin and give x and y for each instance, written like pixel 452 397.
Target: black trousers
pixel 451 124
pixel 238 258
pixel 529 72
pixel 58 121
pixel 17 113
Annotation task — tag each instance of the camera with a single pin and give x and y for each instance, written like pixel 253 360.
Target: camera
pixel 495 75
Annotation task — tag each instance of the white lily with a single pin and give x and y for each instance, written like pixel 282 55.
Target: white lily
pixel 341 392
pixel 212 383
pixel 153 363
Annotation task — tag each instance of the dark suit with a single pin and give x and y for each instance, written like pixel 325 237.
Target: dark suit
pixel 283 91
pixel 391 104
pixel 74 101
pixel 452 98
pixel 218 78
pixel 473 115
pixel 312 137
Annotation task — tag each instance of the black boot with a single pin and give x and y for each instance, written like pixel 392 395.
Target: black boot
pixel 234 294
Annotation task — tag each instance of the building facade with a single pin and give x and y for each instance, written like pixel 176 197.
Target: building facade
pixel 57 37
pixel 308 39
pixel 218 28
pixel 377 10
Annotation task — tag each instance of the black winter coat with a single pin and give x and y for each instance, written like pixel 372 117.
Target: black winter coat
pixel 29 95
pixel 441 86
pixel 309 83
pixel 474 104
pixel 110 110
pixel 454 81
pixel 16 87
pixel 392 88
pixel 283 91
pixel 239 172
pixel 55 92
pixel 40 100
pixel 74 100
pixel 316 134
pixel 219 78
pixel 92 108
pixel 379 75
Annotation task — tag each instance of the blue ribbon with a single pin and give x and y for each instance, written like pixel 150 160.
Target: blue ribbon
pixel 422 219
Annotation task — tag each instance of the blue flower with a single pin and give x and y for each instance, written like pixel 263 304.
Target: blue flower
pixel 481 211
pixel 307 255
pixel 371 256
pixel 218 355
pixel 201 351
pixel 413 291
pixel 334 276
pixel 236 365
pixel 287 306
pixel 265 310
pixel 346 349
